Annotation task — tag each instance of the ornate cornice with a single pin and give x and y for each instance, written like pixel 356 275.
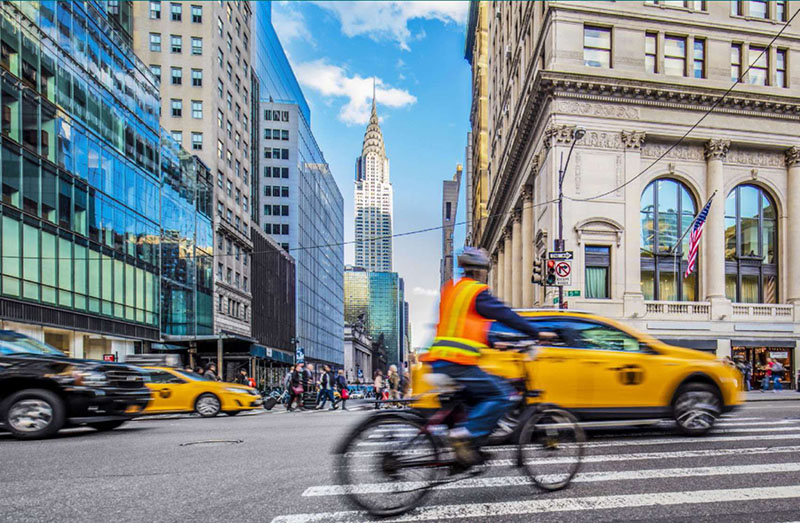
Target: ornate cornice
pixel 792 155
pixel 633 139
pixel 717 148
pixel 559 134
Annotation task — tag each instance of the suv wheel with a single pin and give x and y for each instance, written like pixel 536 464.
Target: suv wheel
pixel 103 426
pixel 696 408
pixel 207 405
pixel 33 413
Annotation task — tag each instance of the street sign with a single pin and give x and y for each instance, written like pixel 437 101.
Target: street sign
pixel 559 255
pixel 300 355
pixel 108 357
pixel 574 293
pixel 559 268
pixel 564 273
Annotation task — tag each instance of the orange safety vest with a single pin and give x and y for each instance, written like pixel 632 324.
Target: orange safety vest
pixel 462 332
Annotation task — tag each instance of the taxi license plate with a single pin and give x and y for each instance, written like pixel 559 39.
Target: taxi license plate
pixel 133 409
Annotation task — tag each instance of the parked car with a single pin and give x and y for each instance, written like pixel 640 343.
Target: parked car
pixel 175 390
pixel 600 369
pixel 43 391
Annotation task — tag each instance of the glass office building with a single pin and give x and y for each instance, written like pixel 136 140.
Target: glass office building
pixel 187 243
pixel 300 203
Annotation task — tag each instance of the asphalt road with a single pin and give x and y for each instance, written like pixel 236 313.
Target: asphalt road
pixel 278 467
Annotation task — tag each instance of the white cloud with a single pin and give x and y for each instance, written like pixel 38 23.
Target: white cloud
pixel 333 81
pixel 422 291
pixel 385 20
pixel 289 23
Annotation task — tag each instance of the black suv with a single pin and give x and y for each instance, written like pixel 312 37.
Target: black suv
pixel 42 391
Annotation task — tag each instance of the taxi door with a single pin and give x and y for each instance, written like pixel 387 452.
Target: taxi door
pixel 623 371
pixel 168 391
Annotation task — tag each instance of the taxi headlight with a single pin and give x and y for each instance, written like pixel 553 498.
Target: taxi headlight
pixel 234 389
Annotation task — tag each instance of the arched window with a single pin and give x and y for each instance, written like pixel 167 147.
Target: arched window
pixel 667 211
pixel 751 246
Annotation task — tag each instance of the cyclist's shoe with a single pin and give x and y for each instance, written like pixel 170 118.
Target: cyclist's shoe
pixel 467 456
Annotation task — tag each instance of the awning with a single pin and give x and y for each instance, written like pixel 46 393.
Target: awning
pixel 260 351
pixel 167 346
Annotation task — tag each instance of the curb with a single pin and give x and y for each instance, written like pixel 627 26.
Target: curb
pixel 773 397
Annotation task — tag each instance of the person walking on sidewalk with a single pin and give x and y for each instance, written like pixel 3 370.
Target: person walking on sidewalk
pixel 296 387
pixel 777 376
pixel 326 389
pixel 394 384
pixel 341 385
pixel 378 385
pixel 767 375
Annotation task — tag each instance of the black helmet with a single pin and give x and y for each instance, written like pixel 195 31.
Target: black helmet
pixel 474 258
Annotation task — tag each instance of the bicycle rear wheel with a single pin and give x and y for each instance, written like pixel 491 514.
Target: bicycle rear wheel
pixel 389 464
pixel 551 448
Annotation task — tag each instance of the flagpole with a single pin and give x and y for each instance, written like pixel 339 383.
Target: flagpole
pixel 672 249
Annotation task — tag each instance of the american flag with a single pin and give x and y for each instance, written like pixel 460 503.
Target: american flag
pixel 694 236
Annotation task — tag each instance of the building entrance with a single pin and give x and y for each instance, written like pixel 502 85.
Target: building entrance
pixel 757 357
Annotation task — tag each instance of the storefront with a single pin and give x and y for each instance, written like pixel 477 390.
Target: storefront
pixel 269 366
pixel 758 356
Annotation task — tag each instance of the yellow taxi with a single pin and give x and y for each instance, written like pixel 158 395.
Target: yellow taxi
pixel 176 390
pixel 600 369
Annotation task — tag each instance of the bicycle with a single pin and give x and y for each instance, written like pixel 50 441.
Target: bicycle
pixel 407 454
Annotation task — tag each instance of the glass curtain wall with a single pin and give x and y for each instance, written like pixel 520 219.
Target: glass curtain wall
pixel 80 181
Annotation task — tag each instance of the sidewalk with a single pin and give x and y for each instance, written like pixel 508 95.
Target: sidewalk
pixel 781 395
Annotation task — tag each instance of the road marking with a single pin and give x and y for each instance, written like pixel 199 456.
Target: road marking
pixel 586 477
pixel 751 424
pixel 536 506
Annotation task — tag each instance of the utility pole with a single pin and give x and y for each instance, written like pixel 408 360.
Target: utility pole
pixel 577 134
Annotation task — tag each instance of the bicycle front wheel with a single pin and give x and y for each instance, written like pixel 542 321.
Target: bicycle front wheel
pixel 389 464
pixel 551 448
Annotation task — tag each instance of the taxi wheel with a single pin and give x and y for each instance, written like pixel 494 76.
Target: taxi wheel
pixel 232 412
pixel 207 405
pixel 696 408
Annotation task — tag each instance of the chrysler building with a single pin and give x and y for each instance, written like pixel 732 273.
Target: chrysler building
pixel 373 201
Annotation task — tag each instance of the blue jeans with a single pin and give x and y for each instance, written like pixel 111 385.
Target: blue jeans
pixel 488 396
pixel 324 395
pixel 776 382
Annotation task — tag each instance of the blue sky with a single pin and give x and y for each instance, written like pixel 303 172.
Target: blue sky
pixel 415 50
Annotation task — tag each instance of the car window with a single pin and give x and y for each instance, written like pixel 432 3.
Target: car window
pixel 160 376
pixel 12 343
pixel 565 335
pixel 599 336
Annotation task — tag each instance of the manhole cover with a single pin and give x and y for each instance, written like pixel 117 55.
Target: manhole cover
pixel 209 442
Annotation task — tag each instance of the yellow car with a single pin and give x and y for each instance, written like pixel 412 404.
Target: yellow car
pixel 180 391
pixel 600 369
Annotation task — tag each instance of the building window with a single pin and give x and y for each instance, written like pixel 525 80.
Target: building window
pixel 736 62
pixel 155 42
pixel 229 189
pixel 268 190
pixel 284 172
pixel 267 115
pixel 197 141
pixel 244 203
pixel 220 26
pixel 598 262
pixel 284 228
pixel 759 66
pixel 667 212
pixel 447 210
pixel 220 179
pixel 675 55
pixel 228 275
pixel 284 116
pixel 177 136
pixel 244 286
pixel 284 154
pixel 155 10
pixel 177 108
pixel 197 77
pixel 176 43
pixel 267 210
pixel 758 9
pixel 596 46
pixel 285 192
pixel 267 172
pixel 780 10
pixel 197 109
pixel 156 70
pixel 284 210
pixel 650 52
pixel 780 68
pixel 197 14
pixel 175 11
pixel 197 46
pixel 285 135
pixel 697 5
pixel 220 118
pixel 751 246
pixel 737 9
pixel 219 271
pixel 699 58
pixel 177 75
pixel 220 149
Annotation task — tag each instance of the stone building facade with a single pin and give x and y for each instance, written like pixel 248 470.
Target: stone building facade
pixel 450 191
pixel 642 79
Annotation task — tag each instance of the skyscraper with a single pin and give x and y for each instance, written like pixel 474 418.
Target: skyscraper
pixel 373 200
pixel 450 190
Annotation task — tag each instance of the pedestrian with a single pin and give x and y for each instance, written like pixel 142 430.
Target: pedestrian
pixel 188 368
pixel 405 384
pixel 242 378
pixel 777 376
pixel 344 391
pixel 326 389
pixel 767 375
pixel 200 370
pixel 211 372
pixel 296 387
pixel 748 375
pixel 394 384
pixel 378 385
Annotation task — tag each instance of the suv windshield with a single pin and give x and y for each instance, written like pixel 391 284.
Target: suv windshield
pixel 13 343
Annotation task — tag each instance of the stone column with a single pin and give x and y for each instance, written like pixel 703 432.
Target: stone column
pixel 516 259
pixel 633 300
pixel 493 274
pixel 500 268
pixel 713 247
pixel 527 247
pixel 508 278
pixel 792 268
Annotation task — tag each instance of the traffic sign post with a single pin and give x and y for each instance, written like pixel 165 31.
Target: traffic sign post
pixel 559 266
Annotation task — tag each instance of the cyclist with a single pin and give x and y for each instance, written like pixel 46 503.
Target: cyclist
pixel 466 310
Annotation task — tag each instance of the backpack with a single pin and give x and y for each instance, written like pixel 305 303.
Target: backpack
pixel 777 368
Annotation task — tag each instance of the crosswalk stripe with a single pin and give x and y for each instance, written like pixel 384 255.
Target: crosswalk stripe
pixel 586 477
pixel 534 506
pixel 754 424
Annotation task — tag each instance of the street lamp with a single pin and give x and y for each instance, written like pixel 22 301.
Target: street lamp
pixel 577 134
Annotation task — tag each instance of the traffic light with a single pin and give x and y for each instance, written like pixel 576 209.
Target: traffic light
pixel 551 272
pixel 537 278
